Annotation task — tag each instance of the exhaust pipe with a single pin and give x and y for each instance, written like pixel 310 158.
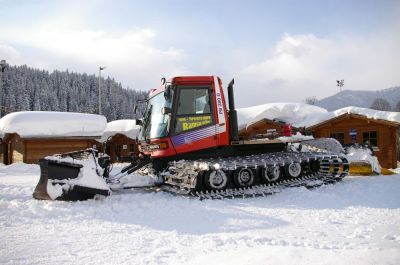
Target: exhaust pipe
pixel 233 121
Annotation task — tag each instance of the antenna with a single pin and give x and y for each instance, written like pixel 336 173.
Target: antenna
pixel 340 84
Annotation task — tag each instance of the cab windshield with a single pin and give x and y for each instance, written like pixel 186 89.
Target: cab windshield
pixel 155 124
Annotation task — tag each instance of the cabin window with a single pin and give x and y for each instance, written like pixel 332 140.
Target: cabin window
pixel 371 138
pixel 338 136
pixel 131 148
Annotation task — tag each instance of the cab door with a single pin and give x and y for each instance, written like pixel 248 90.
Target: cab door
pixel 194 124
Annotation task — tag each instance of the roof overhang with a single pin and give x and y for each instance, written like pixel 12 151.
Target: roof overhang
pixel 11 136
pixel 356 116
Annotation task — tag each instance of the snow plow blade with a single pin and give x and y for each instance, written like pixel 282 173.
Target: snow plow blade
pixel 69 181
pixel 361 168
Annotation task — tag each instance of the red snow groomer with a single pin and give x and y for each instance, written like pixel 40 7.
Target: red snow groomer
pixel 190 139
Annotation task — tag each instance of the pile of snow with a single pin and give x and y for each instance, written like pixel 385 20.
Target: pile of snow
pixel 396 170
pixel 322 145
pixel 120 181
pixel 294 138
pixel 52 124
pixel 363 154
pixel 129 128
pixel 289 112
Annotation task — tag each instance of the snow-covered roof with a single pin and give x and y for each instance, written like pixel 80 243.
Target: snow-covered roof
pixel 316 119
pixel 125 127
pixel 52 124
pixel 304 115
pixel 288 112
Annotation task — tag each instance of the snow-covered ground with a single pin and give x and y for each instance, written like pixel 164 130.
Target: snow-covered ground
pixel 356 221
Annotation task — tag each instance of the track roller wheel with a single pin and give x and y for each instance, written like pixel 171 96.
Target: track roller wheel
pixel 215 180
pixel 243 177
pixel 293 170
pixel 314 166
pixel 346 165
pixel 271 174
pixel 336 165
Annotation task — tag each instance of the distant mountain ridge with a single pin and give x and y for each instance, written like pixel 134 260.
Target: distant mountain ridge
pixel 359 98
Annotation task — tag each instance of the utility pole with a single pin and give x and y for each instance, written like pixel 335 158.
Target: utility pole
pixel 340 84
pixel 2 67
pixel 100 69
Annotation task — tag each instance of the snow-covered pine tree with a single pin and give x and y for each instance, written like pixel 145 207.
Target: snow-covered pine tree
pixel 26 88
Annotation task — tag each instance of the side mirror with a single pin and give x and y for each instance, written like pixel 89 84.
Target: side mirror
pixel 167 93
pixel 166 110
pixel 139 122
pixel 134 109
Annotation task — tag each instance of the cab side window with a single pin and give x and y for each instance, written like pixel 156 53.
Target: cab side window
pixel 194 109
pixel 194 101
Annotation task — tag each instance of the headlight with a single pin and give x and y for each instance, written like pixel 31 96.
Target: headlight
pixel 153 147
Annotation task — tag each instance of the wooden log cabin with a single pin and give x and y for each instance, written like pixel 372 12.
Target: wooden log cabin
pixel 120 137
pixel 348 125
pixel 349 128
pixel 31 135
pixel 15 148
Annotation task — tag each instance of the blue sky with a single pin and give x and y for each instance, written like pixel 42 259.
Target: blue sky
pixel 278 51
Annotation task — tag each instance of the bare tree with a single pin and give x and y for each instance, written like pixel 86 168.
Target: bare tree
pixel 398 106
pixel 381 104
pixel 311 100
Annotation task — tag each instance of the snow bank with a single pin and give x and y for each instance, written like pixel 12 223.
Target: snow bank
pixel 132 180
pixel 321 145
pixel 52 124
pixel 294 138
pixel 129 128
pixel 288 112
pixel 363 154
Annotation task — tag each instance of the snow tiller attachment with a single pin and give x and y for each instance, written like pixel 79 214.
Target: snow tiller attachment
pixel 71 176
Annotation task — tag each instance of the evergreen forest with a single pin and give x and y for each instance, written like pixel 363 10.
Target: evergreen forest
pixel 27 89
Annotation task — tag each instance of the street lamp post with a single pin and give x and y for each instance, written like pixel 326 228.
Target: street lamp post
pixel 100 69
pixel 2 67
